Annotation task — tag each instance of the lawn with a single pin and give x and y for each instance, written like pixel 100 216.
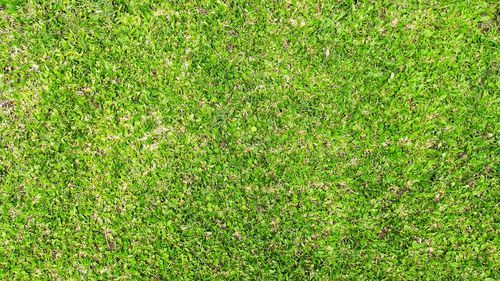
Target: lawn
pixel 323 140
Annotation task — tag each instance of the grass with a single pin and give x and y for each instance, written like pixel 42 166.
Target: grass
pixel 323 140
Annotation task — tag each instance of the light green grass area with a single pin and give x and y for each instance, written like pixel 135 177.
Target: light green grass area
pixel 323 140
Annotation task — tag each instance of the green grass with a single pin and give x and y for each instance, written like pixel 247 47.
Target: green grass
pixel 323 140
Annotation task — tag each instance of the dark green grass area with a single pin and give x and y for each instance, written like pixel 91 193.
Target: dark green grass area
pixel 323 140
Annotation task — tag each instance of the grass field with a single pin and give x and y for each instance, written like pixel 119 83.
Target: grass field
pixel 323 140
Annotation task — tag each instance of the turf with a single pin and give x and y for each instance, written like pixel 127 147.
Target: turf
pixel 322 140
